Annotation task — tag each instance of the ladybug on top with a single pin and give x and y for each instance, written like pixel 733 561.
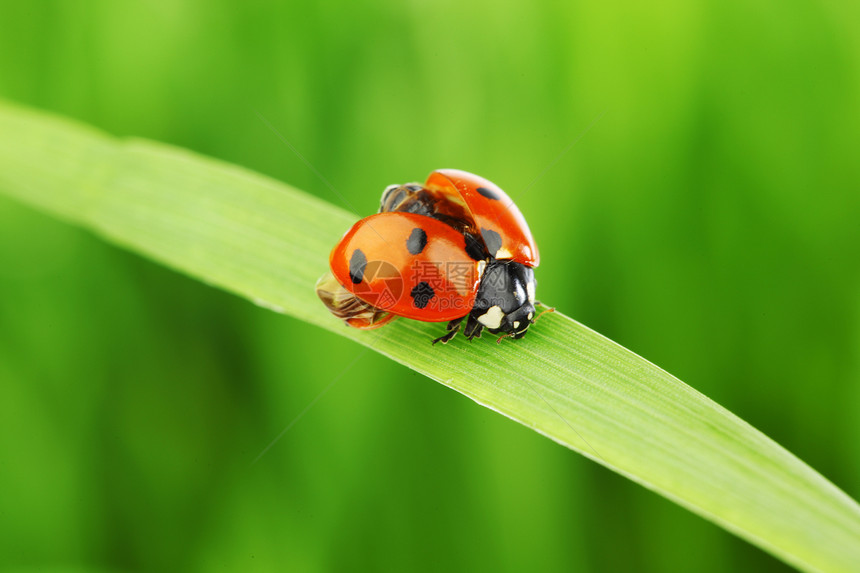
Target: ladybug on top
pixel 455 248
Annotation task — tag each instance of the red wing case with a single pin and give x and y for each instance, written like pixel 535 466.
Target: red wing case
pixel 409 265
pixel 501 225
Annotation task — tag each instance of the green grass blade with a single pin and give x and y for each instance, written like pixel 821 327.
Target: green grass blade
pixel 267 242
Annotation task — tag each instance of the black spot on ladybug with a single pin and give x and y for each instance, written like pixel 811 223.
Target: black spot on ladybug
pixel 357 262
pixel 422 294
pixel 492 239
pixel 416 241
pixel 489 193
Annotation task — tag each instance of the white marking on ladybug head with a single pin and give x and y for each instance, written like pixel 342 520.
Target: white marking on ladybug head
pixel 492 318
pixel 530 289
pixel 531 315
pixel 503 254
pixel 516 324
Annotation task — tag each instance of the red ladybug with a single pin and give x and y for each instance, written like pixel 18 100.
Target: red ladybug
pixel 455 248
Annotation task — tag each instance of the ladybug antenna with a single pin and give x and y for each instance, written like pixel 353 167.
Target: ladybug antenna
pixel 543 312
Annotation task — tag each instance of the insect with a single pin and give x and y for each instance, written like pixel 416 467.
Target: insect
pixel 454 249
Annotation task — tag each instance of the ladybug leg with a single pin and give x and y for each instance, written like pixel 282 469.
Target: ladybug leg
pixel 453 328
pixel 473 328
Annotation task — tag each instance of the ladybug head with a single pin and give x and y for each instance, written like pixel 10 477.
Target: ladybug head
pixel 506 298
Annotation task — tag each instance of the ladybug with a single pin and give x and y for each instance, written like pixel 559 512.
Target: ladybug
pixel 454 249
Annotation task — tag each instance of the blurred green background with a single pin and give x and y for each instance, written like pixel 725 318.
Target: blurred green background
pixel 708 221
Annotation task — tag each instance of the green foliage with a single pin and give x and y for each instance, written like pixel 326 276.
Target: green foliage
pixel 268 242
